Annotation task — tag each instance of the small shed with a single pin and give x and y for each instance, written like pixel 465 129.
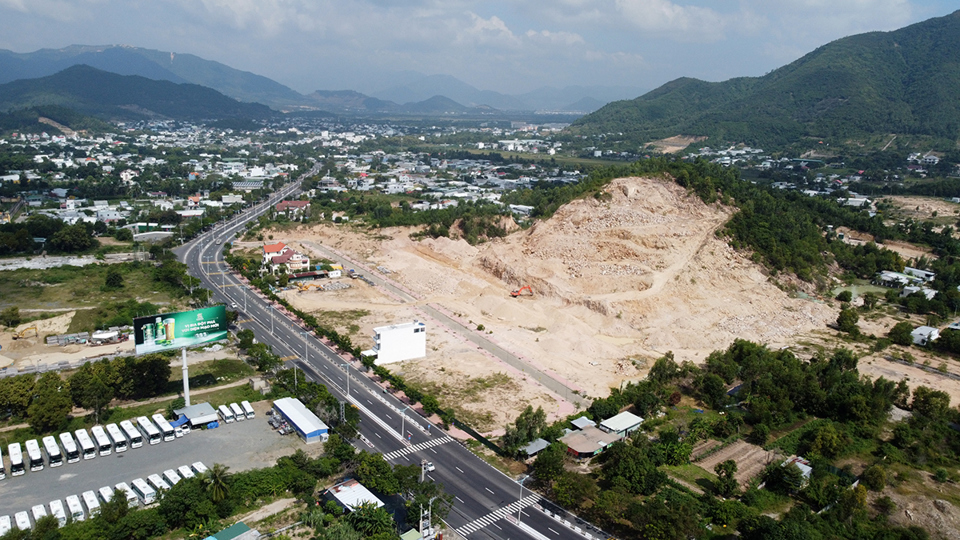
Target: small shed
pixel 622 424
pixel 535 447
pixel 237 531
pixel 352 494
pixel 924 335
pixel 583 422
pixel 310 428
pixel 200 414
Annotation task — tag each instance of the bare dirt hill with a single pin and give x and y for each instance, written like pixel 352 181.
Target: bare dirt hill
pixel 617 282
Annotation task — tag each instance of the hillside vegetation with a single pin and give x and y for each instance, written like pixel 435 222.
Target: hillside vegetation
pixel 108 95
pixel 905 81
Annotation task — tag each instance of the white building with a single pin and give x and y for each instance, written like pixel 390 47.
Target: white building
pixel 398 342
pixel 924 335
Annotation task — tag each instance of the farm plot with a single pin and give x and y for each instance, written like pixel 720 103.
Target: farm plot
pixel 750 458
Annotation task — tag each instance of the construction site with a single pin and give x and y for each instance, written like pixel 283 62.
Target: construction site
pixel 592 296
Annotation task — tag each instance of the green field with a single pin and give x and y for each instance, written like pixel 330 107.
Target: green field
pixel 78 287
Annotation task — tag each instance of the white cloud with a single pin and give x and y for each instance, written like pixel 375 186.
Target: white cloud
pixel 682 23
pixel 558 38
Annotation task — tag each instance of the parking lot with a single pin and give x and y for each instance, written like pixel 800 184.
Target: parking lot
pixel 242 445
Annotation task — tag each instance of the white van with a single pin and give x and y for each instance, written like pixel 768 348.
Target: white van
pixel 171 477
pixel 145 493
pixel 106 494
pixel 226 415
pixel 132 501
pixel 5 525
pixel 56 509
pixel 185 472
pixel 199 467
pixel 22 519
pixel 158 482
pixel 69 447
pixel 93 505
pixel 75 508
pixel 248 410
pixel 238 413
pixel 38 511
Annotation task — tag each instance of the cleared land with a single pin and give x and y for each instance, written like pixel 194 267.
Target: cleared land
pixel 617 283
pixel 750 458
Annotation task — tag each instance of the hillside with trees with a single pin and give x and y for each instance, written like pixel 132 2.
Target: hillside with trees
pixel 902 82
pixel 110 96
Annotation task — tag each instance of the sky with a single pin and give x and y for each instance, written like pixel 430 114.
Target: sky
pixel 510 46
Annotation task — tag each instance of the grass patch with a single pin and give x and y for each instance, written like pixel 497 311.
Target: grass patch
pixel 455 394
pixel 220 371
pixel 79 287
pixel 345 320
pixel 692 474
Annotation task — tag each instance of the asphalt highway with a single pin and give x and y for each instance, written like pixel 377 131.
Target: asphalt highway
pixel 486 500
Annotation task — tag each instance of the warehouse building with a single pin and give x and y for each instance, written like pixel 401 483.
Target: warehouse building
pixel 310 428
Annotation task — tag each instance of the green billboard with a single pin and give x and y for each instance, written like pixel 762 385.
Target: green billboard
pixel 182 329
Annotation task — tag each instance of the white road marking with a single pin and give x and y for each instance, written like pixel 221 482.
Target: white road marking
pixel 553 531
pixel 458 468
pixel 459 499
pixel 490 490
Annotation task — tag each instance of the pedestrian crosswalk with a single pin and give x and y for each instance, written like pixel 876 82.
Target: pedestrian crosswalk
pixel 497 515
pixel 417 447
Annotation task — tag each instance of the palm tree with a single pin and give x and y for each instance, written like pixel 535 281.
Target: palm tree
pixel 215 479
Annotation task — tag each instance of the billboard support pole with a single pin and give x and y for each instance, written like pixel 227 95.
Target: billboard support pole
pixel 186 380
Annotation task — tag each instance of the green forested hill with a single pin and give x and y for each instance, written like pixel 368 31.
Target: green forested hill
pixel 906 81
pixel 111 96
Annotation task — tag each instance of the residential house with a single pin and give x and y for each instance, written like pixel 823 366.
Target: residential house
pixel 924 335
pixel 293 209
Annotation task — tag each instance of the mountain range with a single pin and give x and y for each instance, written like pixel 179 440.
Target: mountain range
pixel 397 90
pixel 94 92
pixel 904 82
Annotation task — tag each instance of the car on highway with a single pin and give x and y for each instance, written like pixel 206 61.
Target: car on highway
pixel 233 305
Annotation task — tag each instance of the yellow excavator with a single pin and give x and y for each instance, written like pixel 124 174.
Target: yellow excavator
pixel 23 333
pixel 307 286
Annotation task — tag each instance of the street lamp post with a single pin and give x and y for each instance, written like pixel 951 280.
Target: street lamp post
pixel 305 351
pixel 403 420
pixel 346 368
pixel 273 311
pixel 520 501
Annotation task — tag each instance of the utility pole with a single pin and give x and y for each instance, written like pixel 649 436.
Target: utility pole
pixel 403 421
pixel 520 500
pixel 347 371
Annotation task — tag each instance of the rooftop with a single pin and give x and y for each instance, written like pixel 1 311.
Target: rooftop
pixel 621 422
pixel 305 420
pixel 352 494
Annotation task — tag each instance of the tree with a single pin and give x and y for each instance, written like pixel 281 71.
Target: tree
pixel 870 300
pixel 51 403
pixel 186 504
pixel 847 321
pixel 845 296
pixel 73 238
pixel 726 484
pixel 900 334
pixel 369 520
pixel 549 463
pixel 89 391
pixel 713 391
pixel 572 489
pixel 123 235
pixel 875 478
pixel 374 472
pixel 10 316
pixel 216 482
pixel 114 279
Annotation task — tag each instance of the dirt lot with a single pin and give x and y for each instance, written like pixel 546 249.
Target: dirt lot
pixel 675 143
pixel 616 284
pixel 751 460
